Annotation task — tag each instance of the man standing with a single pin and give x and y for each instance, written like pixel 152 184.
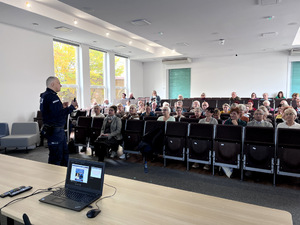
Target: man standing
pixel 54 119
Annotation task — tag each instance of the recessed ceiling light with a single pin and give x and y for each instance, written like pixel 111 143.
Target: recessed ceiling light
pixel 130 42
pixel 182 44
pixel 173 50
pixel 140 22
pixel 63 29
pixel 269 34
pixel 28 5
pixel 75 22
pixel 163 52
pixel 161 33
pixel 107 34
pixel 147 49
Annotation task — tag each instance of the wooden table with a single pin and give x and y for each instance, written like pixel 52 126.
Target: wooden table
pixel 134 203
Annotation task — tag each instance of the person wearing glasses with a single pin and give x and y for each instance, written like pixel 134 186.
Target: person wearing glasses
pixel 258 120
pixel 289 115
pixel 166 115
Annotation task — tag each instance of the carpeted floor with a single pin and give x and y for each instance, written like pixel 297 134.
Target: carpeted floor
pixel 258 191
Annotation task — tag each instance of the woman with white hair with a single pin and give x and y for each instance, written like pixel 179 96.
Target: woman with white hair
pixel 267 103
pixel 132 115
pixel 289 116
pixel 243 115
pixel 166 115
pixel 195 104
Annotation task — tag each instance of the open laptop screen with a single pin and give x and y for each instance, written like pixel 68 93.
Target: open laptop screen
pixel 85 175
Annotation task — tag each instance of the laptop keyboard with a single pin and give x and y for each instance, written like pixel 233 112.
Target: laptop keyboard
pixel 76 196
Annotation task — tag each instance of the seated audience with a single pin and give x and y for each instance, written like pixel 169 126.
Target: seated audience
pixel 148 111
pixel 203 96
pixel 154 107
pixel 217 114
pixel 120 110
pixel 141 107
pixel 131 96
pixel 209 119
pixel 110 136
pixel 127 106
pixel 280 95
pixel 205 105
pixel 97 111
pixel 289 116
pixel 166 114
pixel 155 97
pixel 297 108
pixel 195 104
pixel 180 97
pixel 253 96
pixel 258 120
pixel 234 97
pixel 178 113
pixel 180 104
pixel 266 103
pixel 197 114
pixel 225 107
pixel 132 115
pixel 295 96
pixel 123 96
pixel 265 96
pixel 266 113
pixel 250 105
pixel 235 118
pixel 243 115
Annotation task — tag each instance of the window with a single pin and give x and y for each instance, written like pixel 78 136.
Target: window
pixel 66 69
pixel 120 76
pixel 97 76
pixel 295 78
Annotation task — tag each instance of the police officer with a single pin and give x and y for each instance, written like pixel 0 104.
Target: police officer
pixel 54 119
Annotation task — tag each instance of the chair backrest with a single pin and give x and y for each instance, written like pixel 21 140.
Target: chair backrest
pixel 189 120
pixel 150 118
pixel 203 131
pixel 229 133
pixel 177 129
pixel 84 121
pixel 224 116
pixel 261 135
pixel 25 128
pixel 97 122
pixel 151 124
pixel 135 125
pixel 4 129
pixel 287 137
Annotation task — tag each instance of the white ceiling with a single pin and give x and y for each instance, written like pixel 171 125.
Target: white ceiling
pixel 200 23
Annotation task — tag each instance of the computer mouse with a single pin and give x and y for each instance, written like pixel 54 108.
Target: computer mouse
pixel 93 213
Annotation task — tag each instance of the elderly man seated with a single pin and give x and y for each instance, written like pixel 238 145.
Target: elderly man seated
pixel 97 112
pixel 197 114
pixel 234 97
pixel 180 104
pixel 195 104
pixel 154 107
pixel 258 120
pixel 178 113
pixel 205 105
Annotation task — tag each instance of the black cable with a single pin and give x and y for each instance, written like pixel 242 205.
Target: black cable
pixel 108 196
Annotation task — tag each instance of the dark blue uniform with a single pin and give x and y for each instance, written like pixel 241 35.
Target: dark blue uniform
pixel 55 116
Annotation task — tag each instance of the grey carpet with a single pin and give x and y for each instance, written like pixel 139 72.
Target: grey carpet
pixel 284 198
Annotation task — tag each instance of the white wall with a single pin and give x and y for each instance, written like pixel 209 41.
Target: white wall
pixel 26 60
pixel 136 78
pixel 218 77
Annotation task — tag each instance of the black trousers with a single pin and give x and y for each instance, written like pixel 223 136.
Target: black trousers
pixel 102 147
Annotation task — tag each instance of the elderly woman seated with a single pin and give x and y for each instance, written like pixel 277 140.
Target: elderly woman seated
pixel 258 120
pixel 97 112
pixel 243 115
pixel 197 113
pixel 226 108
pixel 235 118
pixel 120 112
pixel 110 136
pixel 166 114
pixel 209 119
pixel 250 105
pixel 195 104
pixel 289 116
pixel 141 107
pixel 132 115
pixel 266 103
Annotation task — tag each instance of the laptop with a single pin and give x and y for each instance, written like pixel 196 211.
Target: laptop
pixel 83 185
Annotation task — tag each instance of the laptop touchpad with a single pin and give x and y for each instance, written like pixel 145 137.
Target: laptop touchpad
pixel 58 200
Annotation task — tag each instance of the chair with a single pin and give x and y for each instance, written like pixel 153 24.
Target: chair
pixel 224 116
pixel 150 118
pixel 212 102
pixel 4 130
pixel 82 131
pixel 188 114
pixel 23 135
pixel 189 120
pixel 95 130
pixel 175 141
pixel 158 144
pixel 288 152
pixel 199 143
pixel 39 120
pixel 227 147
pixel 259 150
pixel 221 102
pixel 26 219
pixel 133 133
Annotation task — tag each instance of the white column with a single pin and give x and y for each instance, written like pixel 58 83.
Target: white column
pixel 85 92
pixel 111 85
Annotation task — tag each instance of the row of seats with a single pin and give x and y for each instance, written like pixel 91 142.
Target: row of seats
pixel 260 149
pixel 23 135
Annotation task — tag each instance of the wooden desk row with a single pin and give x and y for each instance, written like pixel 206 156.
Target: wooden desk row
pixel 134 203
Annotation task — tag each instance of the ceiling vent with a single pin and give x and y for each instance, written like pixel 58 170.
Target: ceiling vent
pixel 176 61
pixel 268 2
pixel 63 29
pixel 140 22
pixel 295 51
